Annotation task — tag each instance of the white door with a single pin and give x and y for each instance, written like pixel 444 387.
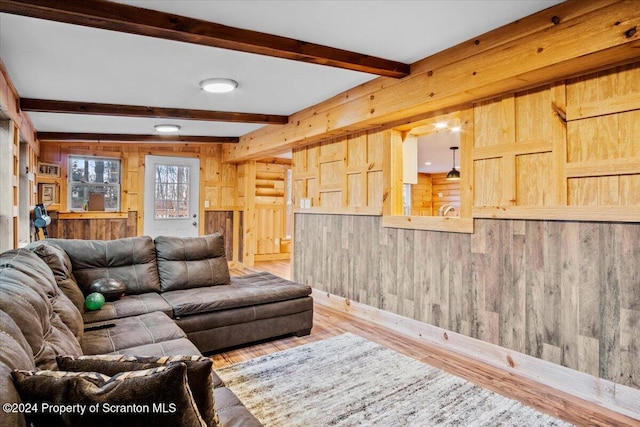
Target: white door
pixel 171 196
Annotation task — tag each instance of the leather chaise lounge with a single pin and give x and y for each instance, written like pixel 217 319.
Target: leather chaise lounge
pixel 179 300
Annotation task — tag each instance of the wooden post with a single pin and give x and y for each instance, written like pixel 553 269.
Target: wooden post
pixel 249 237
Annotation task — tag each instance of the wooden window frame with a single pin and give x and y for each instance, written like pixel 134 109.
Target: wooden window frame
pixel 392 210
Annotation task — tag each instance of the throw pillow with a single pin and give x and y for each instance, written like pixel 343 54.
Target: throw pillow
pixel 159 396
pixel 199 374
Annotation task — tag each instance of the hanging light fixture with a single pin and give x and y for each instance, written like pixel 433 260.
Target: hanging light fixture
pixel 454 174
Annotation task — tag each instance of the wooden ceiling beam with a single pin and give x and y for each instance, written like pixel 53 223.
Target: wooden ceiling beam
pixel 104 137
pixel 111 16
pixel 90 108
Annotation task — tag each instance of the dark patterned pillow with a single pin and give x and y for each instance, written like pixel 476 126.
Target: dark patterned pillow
pixel 159 396
pixel 199 374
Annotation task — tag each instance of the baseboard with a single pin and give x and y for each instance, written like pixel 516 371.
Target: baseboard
pixel 604 393
pixel 272 257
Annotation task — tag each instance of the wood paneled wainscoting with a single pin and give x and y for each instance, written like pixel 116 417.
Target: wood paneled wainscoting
pixel 560 291
pixel 226 223
pixel 93 225
pixel 115 225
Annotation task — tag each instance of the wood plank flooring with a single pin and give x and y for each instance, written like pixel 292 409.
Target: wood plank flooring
pixel 329 322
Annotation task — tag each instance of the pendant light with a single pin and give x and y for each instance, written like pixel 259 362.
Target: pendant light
pixel 454 174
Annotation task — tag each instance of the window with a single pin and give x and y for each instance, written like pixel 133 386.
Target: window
pixel 94 184
pixel 172 191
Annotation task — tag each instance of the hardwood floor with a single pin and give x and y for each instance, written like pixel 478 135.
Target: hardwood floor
pixel 329 322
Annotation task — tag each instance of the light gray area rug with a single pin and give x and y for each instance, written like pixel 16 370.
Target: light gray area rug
pixel 350 381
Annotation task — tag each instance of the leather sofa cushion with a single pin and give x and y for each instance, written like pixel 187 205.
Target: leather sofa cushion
pixel 24 299
pixel 130 260
pixel 129 305
pixel 16 354
pixel 60 264
pixel 231 411
pixel 191 262
pixel 247 290
pixel 175 347
pixel 39 276
pixel 131 332
pixel 236 316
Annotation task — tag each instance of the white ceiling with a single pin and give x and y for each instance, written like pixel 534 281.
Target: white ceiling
pixel 435 148
pixel 49 60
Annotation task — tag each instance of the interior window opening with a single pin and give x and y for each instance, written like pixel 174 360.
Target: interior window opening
pixel 431 160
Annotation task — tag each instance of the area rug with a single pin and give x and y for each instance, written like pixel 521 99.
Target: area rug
pixel 349 381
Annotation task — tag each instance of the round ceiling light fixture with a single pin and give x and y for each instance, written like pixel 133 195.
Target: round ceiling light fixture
pixel 167 128
pixel 441 125
pixel 218 85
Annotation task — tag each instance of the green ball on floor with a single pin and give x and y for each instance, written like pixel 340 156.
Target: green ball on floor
pixel 94 301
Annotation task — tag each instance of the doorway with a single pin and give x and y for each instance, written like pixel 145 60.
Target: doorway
pixel 171 196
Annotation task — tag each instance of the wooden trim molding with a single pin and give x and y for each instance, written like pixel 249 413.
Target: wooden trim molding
pixel 433 223
pixel 370 211
pixel 93 215
pixel 603 167
pixel 615 403
pixel 501 150
pixel 567 213
pixel 112 16
pixel 598 108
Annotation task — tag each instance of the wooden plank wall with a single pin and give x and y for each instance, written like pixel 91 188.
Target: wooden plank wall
pixel 218 179
pixel 603 148
pixel 93 228
pixel 573 143
pixel 218 183
pixel 565 292
pixel 432 192
pixel 343 172
pixel 271 210
pixel 513 153
pixel 422 196
pixel 221 222
pixel 261 193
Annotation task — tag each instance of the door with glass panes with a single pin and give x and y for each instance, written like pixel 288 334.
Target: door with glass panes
pixel 171 196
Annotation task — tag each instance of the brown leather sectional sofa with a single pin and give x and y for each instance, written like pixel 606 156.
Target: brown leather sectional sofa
pixel 179 300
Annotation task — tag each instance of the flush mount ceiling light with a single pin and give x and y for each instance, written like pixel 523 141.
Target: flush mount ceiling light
pixel 167 128
pixel 440 125
pixel 218 85
pixel 454 174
